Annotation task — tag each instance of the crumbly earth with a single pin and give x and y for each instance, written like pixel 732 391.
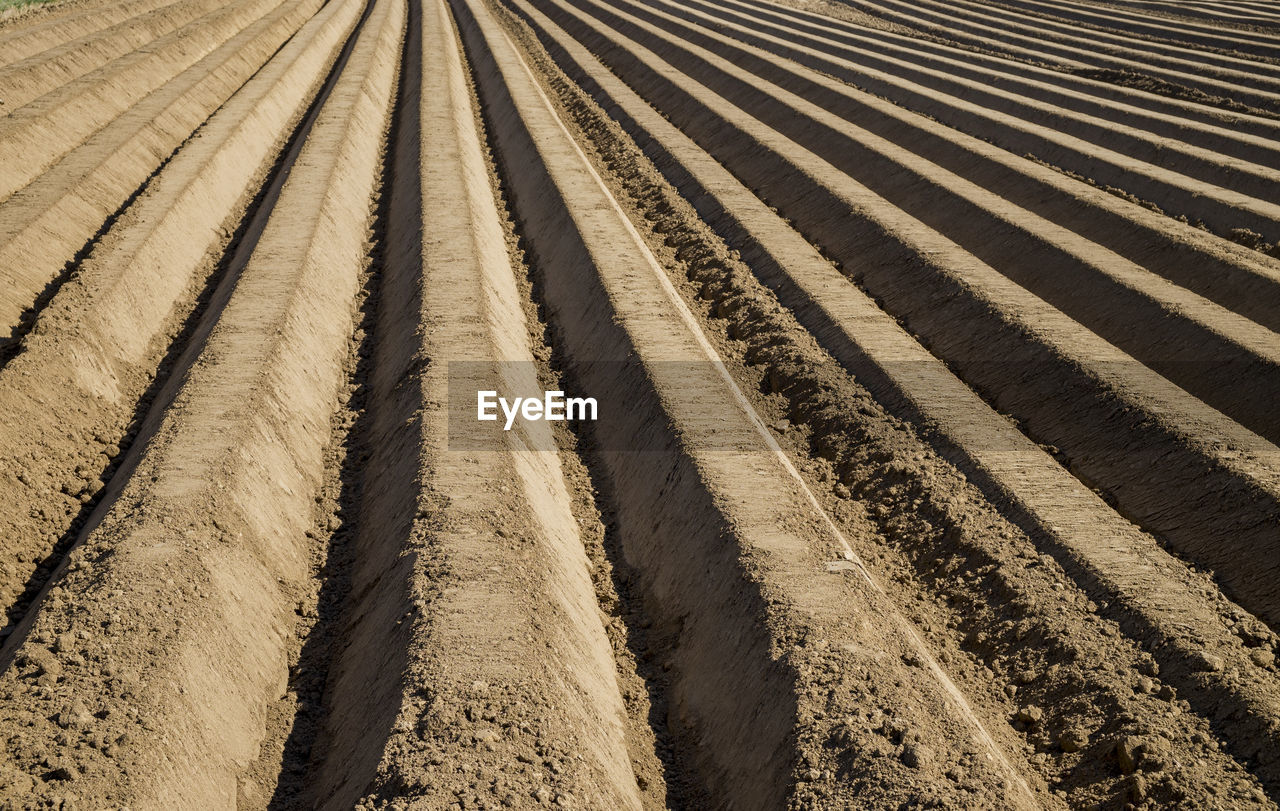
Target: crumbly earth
pixel 829 544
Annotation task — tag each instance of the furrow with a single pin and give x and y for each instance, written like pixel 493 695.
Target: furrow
pixel 1098 146
pixel 26 80
pixel 95 351
pixel 1213 495
pixel 1224 15
pixel 56 217
pixel 23 41
pixel 1259 13
pixel 1246 41
pixel 35 136
pixel 1221 15
pixel 1249 137
pixel 729 543
pixel 473 634
pixel 918 362
pixel 972 193
pixel 1053 33
pixel 1240 85
pixel 1157 600
pixel 207 533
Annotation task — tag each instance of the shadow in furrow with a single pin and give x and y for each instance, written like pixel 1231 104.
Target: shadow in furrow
pixel 649 640
pixel 11 346
pixel 309 674
pixel 339 719
pixel 182 353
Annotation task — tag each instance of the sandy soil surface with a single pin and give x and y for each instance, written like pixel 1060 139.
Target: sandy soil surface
pixel 935 346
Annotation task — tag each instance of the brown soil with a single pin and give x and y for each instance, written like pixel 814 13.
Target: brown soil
pixel 1233 77
pixel 935 463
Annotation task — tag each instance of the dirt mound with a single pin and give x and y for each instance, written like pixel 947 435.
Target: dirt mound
pixel 931 457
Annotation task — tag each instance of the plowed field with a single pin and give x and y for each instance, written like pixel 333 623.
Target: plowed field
pixel 933 354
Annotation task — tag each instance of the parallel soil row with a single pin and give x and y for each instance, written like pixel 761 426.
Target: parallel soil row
pixel 38 134
pixel 1264 719
pixel 92 362
pixel 934 461
pixel 959 316
pixel 469 584
pixel 1253 83
pixel 46 227
pixel 707 478
pixel 1190 33
pixel 1043 26
pixel 745 319
pixel 56 27
pixel 838 21
pixel 29 79
pixel 1180 177
pixel 1126 229
pixel 190 534
pixel 1243 14
pixel 1064 513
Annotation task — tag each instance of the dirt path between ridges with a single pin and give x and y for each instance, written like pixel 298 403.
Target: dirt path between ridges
pixel 799 563
pixel 47 228
pixel 901 262
pixel 1115 21
pixel 1122 571
pixel 112 336
pixel 652 321
pixel 63 23
pixel 1111 154
pixel 1219 16
pixel 1131 89
pixel 28 79
pixel 1235 85
pixel 975 193
pixel 1247 16
pixel 1251 139
pixel 1239 278
pixel 192 574
pixel 1058 37
pixel 37 135
pixel 474 665
pixel 1240 46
